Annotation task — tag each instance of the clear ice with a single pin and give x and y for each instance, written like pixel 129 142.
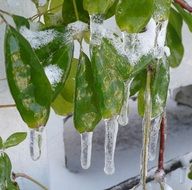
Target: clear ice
pixel 86 149
pixel 36 143
pixel 154 134
pixel 111 130
pixel 123 119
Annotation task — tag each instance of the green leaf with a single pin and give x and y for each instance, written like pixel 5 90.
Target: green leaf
pixel 161 10
pixel 112 10
pixel 86 111
pixel 133 15
pixel 61 106
pixel 97 6
pixel 73 10
pixel 190 173
pixel 20 21
pixel 1 143
pixel 174 39
pixel 68 91
pixel 56 57
pixel 54 16
pixel 108 84
pixel 141 102
pixel 187 17
pixel 118 61
pixel 27 81
pixel 15 139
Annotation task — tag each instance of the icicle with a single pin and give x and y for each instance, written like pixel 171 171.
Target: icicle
pixel 111 130
pixel 96 28
pixel 146 131
pixel 166 187
pixel 86 149
pixel 123 119
pixel 36 143
pixel 183 172
pixel 154 134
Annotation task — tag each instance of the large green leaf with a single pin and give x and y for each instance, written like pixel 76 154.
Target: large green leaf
pixel 28 83
pixel 161 10
pixel 86 111
pixel 174 39
pixel 133 15
pixel 15 139
pixel 97 6
pixel 56 57
pixel 118 61
pixel 109 85
pixel 187 17
pixel 73 10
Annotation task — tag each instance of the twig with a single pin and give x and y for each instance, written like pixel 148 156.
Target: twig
pixel 184 5
pixel 5 12
pixel 7 106
pixel 17 175
pixel 169 167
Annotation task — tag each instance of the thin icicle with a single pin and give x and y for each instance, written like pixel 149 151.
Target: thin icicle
pixel 154 134
pixel 146 131
pixel 36 143
pixel 86 149
pixel 123 119
pixel 111 130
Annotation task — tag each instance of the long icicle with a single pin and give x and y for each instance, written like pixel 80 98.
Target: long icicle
pixel 111 130
pixel 146 130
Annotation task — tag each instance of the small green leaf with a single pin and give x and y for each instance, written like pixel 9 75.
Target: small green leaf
pixel 112 10
pixel 73 10
pixel 20 21
pixel 27 81
pixel 1 143
pixel 187 17
pixel 15 139
pixel 97 6
pixel 86 111
pixel 133 15
pixel 108 84
pixel 174 39
pixel 190 173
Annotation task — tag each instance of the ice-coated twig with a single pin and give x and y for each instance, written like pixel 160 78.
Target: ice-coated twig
pixel 184 5
pixel 169 167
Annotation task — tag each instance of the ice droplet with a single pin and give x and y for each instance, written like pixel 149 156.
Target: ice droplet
pixel 86 149
pixel 36 143
pixel 111 130
pixel 123 119
pixel 154 134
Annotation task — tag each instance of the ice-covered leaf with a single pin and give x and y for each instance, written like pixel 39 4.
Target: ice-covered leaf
pixel 174 39
pixel 109 85
pixel 27 81
pixel 97 6
pixel 1 143
pixel 20 21
pixel 15 139
pixel 73 10
pixel 187 17
pixel 133 15
pixel 112 10
pixel 190 173
pixel 86 111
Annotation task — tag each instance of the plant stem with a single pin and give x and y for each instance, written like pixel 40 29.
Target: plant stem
pixel 5 12
pixel 75 9
pixel 7 106
pixel 3 18
pixel 17 175
pixel 184 5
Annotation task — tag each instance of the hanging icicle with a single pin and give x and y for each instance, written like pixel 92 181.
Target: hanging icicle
pixel 36 143
pixel 123 119
pixel 146 130
pixel 86 149
pixel 111 130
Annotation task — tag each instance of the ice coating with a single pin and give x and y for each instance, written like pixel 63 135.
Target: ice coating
pixel 154 134
pixel 183 170
pixel 111 130
pixel 42 2
pixel 36 143
pixel 86 149
pixel 54 74
pixel 123 119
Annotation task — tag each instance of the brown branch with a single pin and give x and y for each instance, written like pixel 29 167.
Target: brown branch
pixel 184 5
pixel 7 106
pixel 170 166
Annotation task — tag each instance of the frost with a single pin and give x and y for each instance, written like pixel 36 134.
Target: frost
pixel 36 143
pixel 54 74
pixel 111 130
pixel 37 39
pixel 86 149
